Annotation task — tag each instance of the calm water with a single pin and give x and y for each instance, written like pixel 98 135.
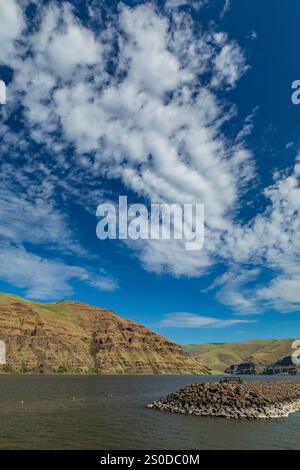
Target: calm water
pixel 101 412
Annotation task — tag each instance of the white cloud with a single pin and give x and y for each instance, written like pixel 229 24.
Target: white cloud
pixel 233 289
pixel 2 92
pixel 151 107
pixel 62 44
pixel 191 320
pixel 43 278
pixel 170 255
pixel 29 216
pixel 11 25
pixel 271 241
pixel 253 35
pixel 247 126
pixel 229 65
pixel 227 7
pixel 28 212
pixel 104 283
pixel 154 124
pixel 197 4
pixel 282 293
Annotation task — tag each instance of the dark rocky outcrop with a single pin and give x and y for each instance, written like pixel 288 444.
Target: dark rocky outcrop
pixel 245 368
pixel 250 400
pixel 284 366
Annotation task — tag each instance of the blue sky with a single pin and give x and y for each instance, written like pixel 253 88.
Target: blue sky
pixel 176 101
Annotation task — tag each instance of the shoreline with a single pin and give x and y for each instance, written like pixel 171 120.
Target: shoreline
pixel 249 400
pixel 62 374
pixel 93 374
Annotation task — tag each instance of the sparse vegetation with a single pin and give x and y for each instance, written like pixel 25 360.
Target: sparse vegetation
pixel 219 357
pixel 71 337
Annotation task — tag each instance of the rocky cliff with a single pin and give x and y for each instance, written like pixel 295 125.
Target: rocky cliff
pixel 284 366
pixel 78 338
pixel 245 368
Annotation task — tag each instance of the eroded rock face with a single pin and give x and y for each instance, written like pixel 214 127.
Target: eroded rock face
pixel 78 338
pixel 245 368
pixel 283 366
pixel 251 400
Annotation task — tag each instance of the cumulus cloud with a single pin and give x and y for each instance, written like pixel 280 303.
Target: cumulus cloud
pixel 269 242
pixel 139 99
pixel 150 116
pixel 191 320
pixel 62 44
pixel 165 256
pixel 11 25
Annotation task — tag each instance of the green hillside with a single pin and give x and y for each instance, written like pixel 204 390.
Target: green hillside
pixel 219 356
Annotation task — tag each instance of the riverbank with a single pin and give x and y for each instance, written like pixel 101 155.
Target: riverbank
pixel 247 400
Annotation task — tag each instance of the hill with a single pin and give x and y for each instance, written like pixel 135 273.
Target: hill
pixel 72 337
pixel 263 354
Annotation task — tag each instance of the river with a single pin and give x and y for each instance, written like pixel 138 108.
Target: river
pixel 109 412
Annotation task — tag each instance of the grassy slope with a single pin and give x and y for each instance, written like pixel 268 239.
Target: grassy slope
pixel 61 312
pixel 220 356
pixel 215 356
pixel 74 337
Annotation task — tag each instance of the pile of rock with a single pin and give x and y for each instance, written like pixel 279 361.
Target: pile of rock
pixel 254 400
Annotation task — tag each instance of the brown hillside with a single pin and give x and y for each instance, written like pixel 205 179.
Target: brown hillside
pixel 79 338
pixel 262 355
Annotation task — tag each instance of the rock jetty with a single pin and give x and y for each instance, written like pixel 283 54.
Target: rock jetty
pixel 246 400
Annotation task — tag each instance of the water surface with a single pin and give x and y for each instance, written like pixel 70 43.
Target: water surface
pixel 104 412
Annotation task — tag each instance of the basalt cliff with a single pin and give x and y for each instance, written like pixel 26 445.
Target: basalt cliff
pixel 71 337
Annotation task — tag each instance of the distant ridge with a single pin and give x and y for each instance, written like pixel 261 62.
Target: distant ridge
pixel 72 337
pixel 257 356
